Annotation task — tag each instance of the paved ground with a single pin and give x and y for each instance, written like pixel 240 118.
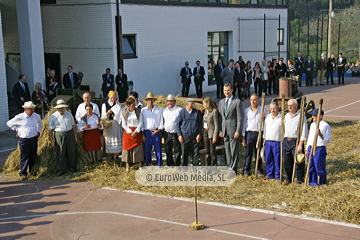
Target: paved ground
pixel 77 210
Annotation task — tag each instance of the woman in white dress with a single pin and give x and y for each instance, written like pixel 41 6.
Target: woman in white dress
pixel 111 111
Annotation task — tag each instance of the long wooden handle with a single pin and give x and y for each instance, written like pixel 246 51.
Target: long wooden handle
pixel 258 143
pixel 313 147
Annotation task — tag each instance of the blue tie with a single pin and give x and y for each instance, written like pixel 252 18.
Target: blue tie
pixel 71 80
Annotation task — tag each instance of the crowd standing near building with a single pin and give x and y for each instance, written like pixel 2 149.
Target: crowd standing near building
pixel 134 130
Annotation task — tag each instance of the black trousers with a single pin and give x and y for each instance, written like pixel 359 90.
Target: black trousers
pixel 28 154
pixel 276 85
pixel 300 78
pixel 330 73
pixel 190 146
pixel 257 85
pixel 210 151
pixel 251 139
pixel 198 86
pixel 185 89
pixel 171 140
pixel 341 74
pixel 309 78
pixel 264 86
pixel 289 153
pixel 219 88
pixel 271 85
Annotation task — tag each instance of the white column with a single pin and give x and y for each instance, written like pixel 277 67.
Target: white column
pixel 31 42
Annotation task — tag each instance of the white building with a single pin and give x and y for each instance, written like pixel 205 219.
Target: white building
pixel 158 37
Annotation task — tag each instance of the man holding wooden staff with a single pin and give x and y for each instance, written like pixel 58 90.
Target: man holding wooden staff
pixel 272 137
pixel 292 122
pixel 250 132
pixel 317 172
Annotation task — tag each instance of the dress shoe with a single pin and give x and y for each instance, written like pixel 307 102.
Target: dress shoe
pixel 317 85
pixel 286 183
pixel 267 178
pixel 23 178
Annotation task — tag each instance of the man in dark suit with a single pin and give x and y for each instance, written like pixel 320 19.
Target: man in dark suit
pixel 321 69
pixel 240 61
pixel 228 73
pixel 52 89
pixel 299 62
pixel 198 73
pixel 309 66
pixel 218 69
pixel 185 74
pixel 341 62
pixel 21 92
pixel 121 85
pixel 231 112
pixel 239 79
pixel 71 79
pixel 108 83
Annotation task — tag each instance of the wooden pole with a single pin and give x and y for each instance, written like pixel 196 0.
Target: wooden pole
pixel 258 143
pixel 313 146
pixel 300 129
pixel 282 134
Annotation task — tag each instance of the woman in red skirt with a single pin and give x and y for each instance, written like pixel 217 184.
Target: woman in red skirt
pixel 91 125
pixel 132 151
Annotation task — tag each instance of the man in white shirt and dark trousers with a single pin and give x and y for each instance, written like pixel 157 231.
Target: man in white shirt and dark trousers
pixel 272 130
pixel 62 135
pixel 317 172
pixel 152 124
pixel 170 114
pixel 80 111
pixel 28 127
pixel 250 132
pixel 291 133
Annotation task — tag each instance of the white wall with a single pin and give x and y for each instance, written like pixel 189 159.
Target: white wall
pixel 4 111
pixel 167 36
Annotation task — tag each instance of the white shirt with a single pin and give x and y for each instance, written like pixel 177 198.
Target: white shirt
pixel 116 110
pixel 61 123
pixel 152 119
pixel 131 122
pixel 26 126
pixel 272 128
pixel 325 130
pixel 169 116
pixel 90 121
pixel 252 119
pixel 291 126
pixel 80 111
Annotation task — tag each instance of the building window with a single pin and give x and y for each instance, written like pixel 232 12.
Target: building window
pixel 217 48
pixel 47 1
pixel 280 36
pixel 129 45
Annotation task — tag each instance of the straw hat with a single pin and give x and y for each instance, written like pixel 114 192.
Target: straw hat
pixel 300 158
pixel 150 95
pixel 61 104
pixel 29 104
pixel 170 97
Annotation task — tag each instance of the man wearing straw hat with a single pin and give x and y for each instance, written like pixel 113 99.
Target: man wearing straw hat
pixel 28 127
pixel 170 114
pixel 189 130
pixel 62 135
pixel 317 172
pixel 152 119
pixel 272 129
pixel 289 145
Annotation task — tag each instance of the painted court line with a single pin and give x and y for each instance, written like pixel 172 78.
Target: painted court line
pixel 303 216
pixel 342 116
pixel 342 106
pixel 133 216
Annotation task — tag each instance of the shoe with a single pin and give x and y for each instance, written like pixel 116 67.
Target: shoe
pixel 298 182
pixel 23 178
pixel 246 175
pixel 323 84
pixel 267 178
pixel 72 170
pixel 285 183
pixel 317 85
pixel 58 174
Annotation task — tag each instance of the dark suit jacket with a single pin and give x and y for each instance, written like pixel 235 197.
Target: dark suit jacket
pixel 309 65
pixel 341 64
pixel 201 78
pixel 106 81
pixel 53 89
pixel 299 65
pixel 280 70
pixel 217 72
pixel 330 64
pixel 232 121
pixel 19 92
pixel 183 74
pixel 321 64
pixel 67 82
pixel 239 77
pixel 121 83
pixel 227 75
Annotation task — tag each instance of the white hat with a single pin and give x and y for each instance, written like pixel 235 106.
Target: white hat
pixel 29 104
pixel 61 104
pixel 170 97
